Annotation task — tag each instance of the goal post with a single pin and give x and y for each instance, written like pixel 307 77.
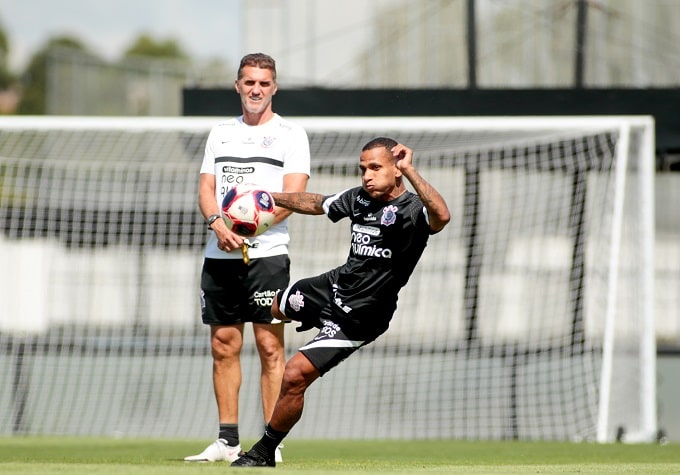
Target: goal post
pixel 530 316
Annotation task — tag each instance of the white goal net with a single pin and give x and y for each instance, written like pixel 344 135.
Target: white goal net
pixel 529 317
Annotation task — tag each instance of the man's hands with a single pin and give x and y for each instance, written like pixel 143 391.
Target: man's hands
pixel 227 241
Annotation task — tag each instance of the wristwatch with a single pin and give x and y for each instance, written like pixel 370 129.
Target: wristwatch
pixel 212 218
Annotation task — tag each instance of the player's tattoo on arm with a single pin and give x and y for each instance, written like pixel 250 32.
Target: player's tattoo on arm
pixel 300 202
pixel 433 201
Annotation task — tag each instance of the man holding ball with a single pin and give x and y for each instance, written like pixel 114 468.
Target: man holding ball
pixel 261 148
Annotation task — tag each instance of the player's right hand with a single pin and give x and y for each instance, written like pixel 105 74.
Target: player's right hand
pixel 227 241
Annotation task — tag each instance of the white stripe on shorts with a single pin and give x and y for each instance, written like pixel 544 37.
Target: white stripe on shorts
pixel 333 344
pixel 284 297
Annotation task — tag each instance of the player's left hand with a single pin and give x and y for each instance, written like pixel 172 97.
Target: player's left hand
pixel 403 155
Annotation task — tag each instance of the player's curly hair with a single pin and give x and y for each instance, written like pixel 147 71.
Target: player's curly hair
pixel 258 60
pixel 385 142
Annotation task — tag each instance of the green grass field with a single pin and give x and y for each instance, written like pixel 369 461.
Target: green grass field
pixel 38 455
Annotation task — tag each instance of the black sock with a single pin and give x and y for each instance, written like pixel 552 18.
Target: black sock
pixel 229 432
pixel 271 439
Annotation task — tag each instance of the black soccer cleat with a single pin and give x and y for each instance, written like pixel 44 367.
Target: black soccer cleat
pixel 253 459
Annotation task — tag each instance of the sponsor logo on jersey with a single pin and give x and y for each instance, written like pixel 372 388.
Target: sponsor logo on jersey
pixel 363 201
pixel 370 230
pixel 232 176
pixel 369 217
pixel 371 251
pixel 230 169
pixel 296 301
pixel 389 215
pixel 361 242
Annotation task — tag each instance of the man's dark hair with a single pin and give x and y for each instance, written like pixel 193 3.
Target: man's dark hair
pixel 385 142
pixel 258 60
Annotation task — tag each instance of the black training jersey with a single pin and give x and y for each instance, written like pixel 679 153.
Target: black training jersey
pixel 388 238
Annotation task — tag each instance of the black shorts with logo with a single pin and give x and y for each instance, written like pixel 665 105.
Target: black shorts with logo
pixel 311 302
pixel 233 292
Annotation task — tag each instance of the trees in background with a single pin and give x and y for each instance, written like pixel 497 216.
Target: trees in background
pixel 6 77
pixel 146 46
pixel 29 88
pixel 9 94
pixel 34 78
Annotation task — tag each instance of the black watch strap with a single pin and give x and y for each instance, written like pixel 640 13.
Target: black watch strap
pixel 212 218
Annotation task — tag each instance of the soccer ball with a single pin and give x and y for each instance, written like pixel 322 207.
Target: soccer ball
pixel 247 210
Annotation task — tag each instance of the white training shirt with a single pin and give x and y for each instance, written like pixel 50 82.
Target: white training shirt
pixel 261 155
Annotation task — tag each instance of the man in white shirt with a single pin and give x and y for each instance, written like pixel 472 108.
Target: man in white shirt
pixel 260 148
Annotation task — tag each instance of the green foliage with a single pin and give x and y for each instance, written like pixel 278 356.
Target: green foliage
pixel 6 77
pixel 4 45
pixel 34 79
pixel 146 46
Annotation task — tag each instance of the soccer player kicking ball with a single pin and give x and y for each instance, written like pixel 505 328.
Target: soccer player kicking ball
pixel 353 304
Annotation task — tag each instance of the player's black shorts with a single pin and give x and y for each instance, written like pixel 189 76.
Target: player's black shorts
pixel 311 302
pixel 234 292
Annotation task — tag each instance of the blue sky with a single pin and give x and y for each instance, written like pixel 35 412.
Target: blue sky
pixel 204 28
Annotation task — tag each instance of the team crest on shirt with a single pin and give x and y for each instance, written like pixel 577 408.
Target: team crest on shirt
pixel 296 301
pixel 389 215
pixel 267 142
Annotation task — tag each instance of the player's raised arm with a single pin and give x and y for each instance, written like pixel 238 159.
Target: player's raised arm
pixel 300 202
pixel 437 210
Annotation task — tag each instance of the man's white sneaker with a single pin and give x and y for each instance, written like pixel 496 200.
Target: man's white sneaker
pixel 217 451
pixel 278 458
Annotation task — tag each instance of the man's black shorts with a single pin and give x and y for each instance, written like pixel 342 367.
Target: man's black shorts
pixel 311 301
pixel 234 292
